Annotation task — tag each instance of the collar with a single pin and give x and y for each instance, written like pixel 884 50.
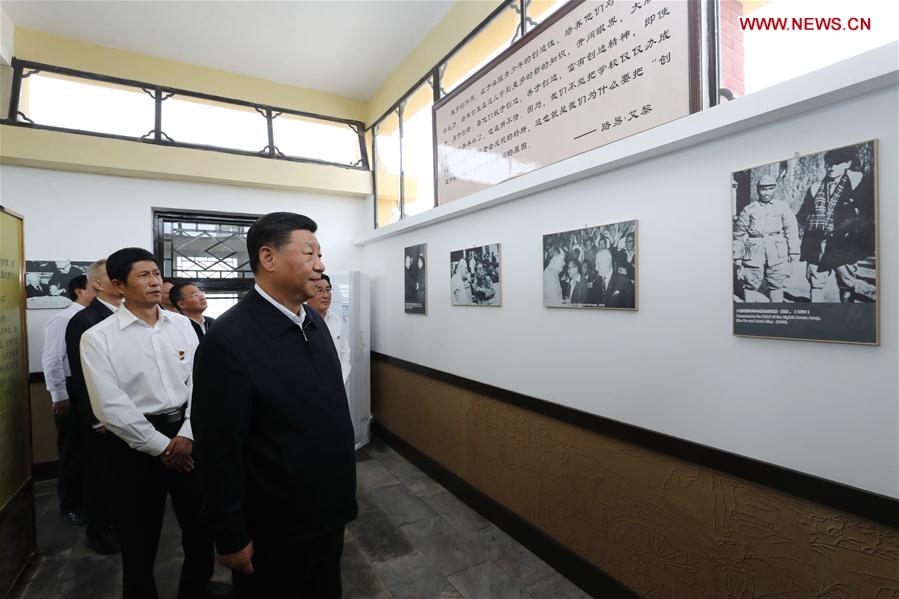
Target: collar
pixel 126 317
pixel 297 319
pixel 112 307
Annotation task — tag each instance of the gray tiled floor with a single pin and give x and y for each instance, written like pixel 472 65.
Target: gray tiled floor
pixel 413 539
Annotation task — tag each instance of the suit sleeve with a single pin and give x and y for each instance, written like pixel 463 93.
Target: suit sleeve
pixel 220 413
pixel 78 390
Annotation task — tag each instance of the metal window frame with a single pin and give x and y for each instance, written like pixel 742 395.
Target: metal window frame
pixel 160 93
pixel 161 215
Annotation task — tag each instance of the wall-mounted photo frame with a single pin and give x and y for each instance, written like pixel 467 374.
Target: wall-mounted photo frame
pixel 593 267
pixel 805 246
pixel 47 281
pixel 415 265
pixel 476 276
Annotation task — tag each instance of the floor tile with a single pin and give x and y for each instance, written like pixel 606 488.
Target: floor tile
pixel 372 474
pixel 379 537
pixel 556 587
pixel 359 577
pixel 442 546
pixel 492 541
pixel 523 566
pixel 459 515
pixel 412 576
pixel 486 581
pixel 401 506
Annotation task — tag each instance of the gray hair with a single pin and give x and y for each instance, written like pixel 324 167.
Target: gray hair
pixel 95 271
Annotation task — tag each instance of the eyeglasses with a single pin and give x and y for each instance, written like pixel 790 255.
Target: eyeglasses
pixel 324 291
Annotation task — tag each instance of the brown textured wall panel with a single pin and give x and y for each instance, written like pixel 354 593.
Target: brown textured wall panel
pixel 662 526
pixel 43 430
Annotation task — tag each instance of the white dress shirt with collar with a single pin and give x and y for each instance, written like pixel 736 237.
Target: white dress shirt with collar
pixel 132 369
pixel 54 360
pixel 298 319
pixel 112 307
pixel 335 327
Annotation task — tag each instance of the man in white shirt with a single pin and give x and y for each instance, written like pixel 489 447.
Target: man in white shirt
pixel 321 304
pixel 56 374
pixel 138 370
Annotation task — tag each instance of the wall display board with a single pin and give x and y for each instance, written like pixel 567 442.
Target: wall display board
pixel 46 282
pixel 475 276
pixel 593 73
pixel 593 267
pixel 805 247
pixel 415 279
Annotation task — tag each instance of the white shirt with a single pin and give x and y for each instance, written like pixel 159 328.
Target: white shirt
pixel 132 369
pixel 54 360
pixel 335 327
pixel 298 319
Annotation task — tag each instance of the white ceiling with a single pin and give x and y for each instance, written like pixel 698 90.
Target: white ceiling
pixel 343 47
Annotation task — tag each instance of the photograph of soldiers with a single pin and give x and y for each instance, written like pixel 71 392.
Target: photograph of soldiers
pixel 415 279
pixel 594 267
pixel 805 232
pixel 48 282
pixel 475 276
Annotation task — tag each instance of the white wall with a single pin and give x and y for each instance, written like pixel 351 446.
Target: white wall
pixel 76 216
pixel 674 366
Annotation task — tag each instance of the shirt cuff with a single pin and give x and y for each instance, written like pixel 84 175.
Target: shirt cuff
pixel 58 396
pixel 156 445
pixel 186 431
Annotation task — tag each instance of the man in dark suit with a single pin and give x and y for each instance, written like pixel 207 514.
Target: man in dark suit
pixel 190 300
pixel 271 425
pixel 97 492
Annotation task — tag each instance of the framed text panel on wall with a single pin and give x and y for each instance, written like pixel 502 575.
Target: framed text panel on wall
pixel 595 72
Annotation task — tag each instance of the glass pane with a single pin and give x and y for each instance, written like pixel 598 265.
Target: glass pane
pixel 304 137
pixel 495 37
pixel 61 101
pixel 387 170
pixel 195 121
pixel 217 302
pixel 756 36
pixel 207 251
pixel 539 10
pixel 418 151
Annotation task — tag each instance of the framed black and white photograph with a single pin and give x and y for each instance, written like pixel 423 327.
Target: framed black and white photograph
pixel 475 276
pixel 47 281
pixel 593 267
pixel 805 247
pixel 415 278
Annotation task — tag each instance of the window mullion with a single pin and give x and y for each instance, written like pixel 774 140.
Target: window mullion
pixel 400 110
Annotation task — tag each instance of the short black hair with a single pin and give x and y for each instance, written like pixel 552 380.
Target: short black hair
pixel 176 292
pixel 326 278
pixel 839 155
pixel 119 263
pixel 79 282
pixel 274 230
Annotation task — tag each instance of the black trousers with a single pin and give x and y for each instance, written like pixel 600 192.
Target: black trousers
pixel 70 447
pixel 98 488
pixel 141 485
pixel 285 568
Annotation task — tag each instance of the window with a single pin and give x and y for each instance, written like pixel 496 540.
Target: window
pixel 387 169
pixel 190 120
pixel 58 100
pixel 305 137
pixel 46 96
pixel 418 151
pixel 494 37
pixel 539 10
pixel 209 249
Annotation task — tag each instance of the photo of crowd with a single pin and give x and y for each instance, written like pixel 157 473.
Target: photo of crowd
pixel 594 267
pixel 47 281
pixel 475 276
pixel 415 279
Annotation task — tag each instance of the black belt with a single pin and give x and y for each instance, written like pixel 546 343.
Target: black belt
pixel 774 234
pixel 171 417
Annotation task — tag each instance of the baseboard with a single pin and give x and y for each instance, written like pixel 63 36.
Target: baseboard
pixel 571 565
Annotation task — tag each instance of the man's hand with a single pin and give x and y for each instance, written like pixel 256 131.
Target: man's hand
pixel 242 561
pixel 61 408
pixel 177 455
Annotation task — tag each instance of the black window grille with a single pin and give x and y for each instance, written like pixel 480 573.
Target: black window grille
pixel 204 247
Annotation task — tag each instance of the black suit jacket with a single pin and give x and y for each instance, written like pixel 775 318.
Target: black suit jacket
pixel 93 314
pixel 199 329
pixel 272 431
